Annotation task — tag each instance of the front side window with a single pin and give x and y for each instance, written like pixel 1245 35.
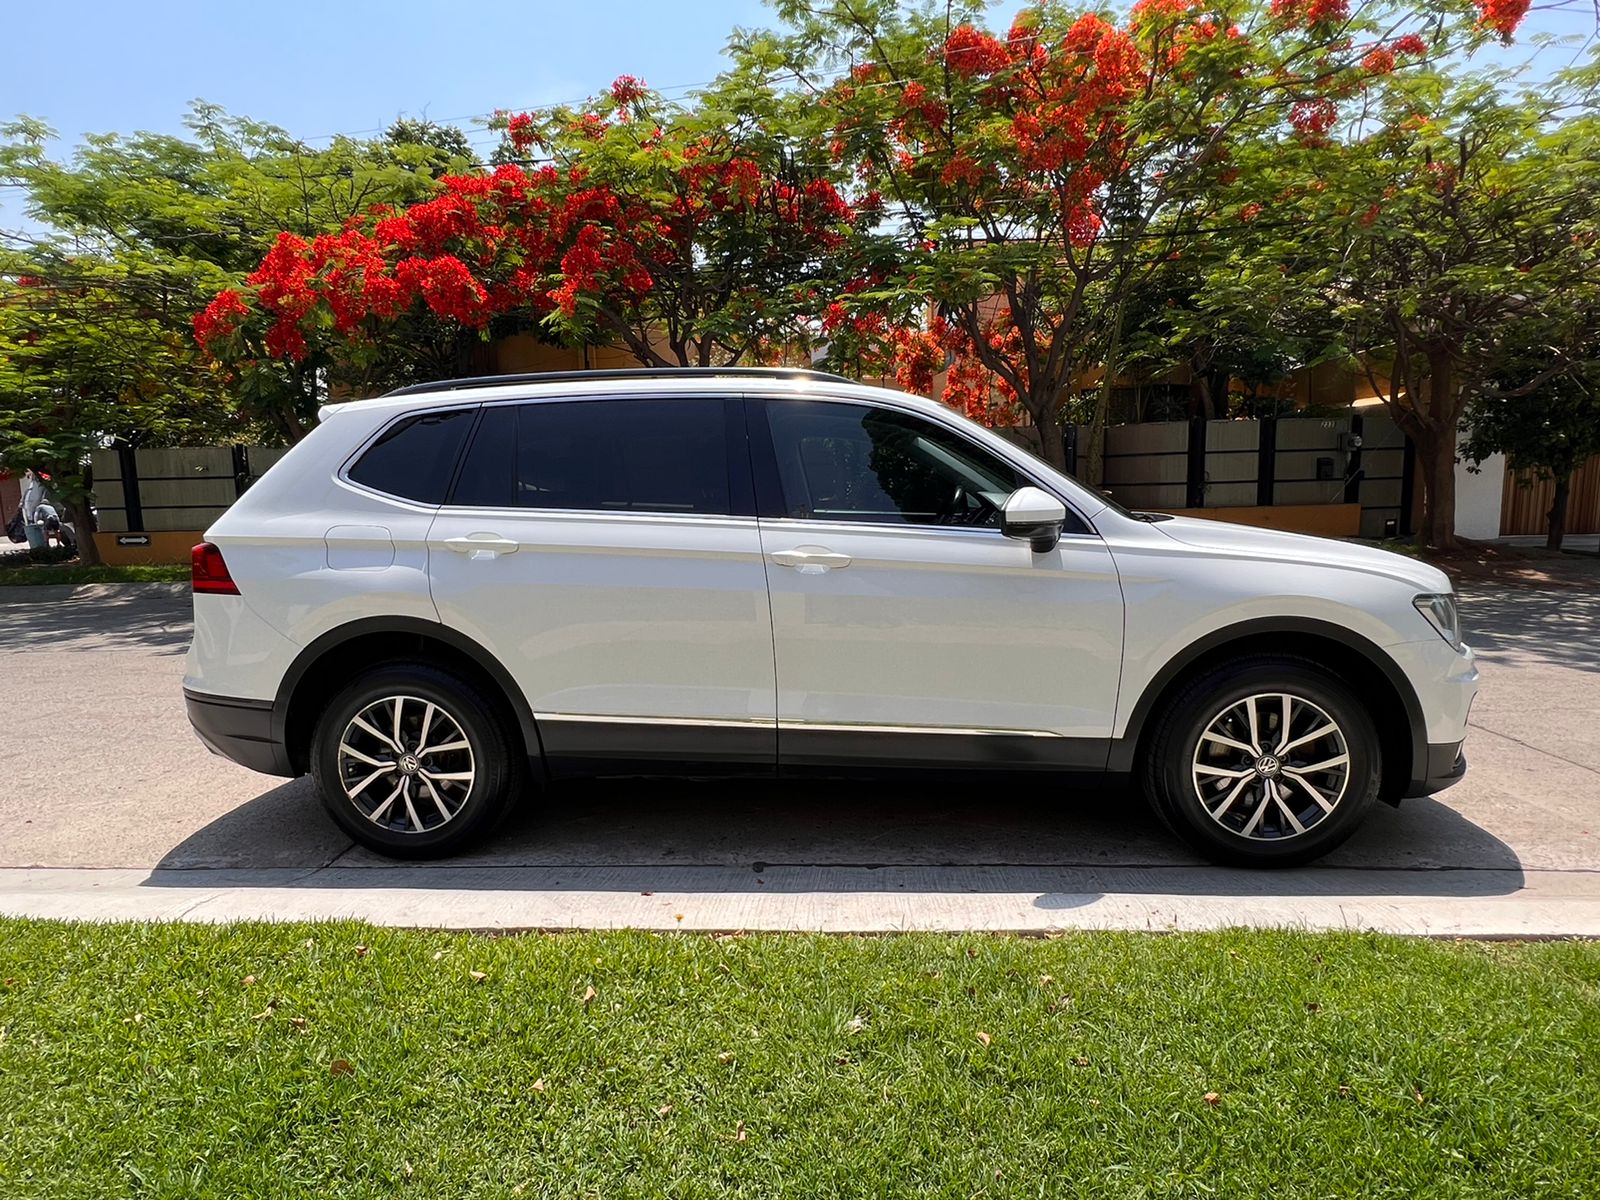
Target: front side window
pixel 855 462
pixel 644 455
pixel 415 457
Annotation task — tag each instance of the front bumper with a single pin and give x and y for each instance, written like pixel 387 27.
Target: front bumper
pixel 1445 764
pixel 1445 682
pixel 239 730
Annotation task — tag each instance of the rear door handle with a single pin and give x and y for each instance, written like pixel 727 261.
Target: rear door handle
pixel 810 560
pixel 482 545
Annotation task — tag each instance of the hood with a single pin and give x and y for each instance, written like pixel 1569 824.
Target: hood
pixel 1248 541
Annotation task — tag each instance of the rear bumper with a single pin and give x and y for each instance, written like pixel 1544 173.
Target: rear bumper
pixel 1444 765
pixel 239 730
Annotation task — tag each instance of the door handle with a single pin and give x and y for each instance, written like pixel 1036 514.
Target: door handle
pixel 810 560
pixel 482 545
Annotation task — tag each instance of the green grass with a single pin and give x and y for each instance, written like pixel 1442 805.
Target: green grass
pixel 140 1060
pixel 25 573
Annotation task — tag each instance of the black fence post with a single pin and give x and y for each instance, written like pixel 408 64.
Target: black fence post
pixel 241 471
pixel 1408 487
pixel 132 507
pixel 1352 466
pixel 1069 440
pixel 1197 463
pixel 1266 461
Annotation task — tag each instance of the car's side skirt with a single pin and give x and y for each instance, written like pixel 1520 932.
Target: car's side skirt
pixel 587 745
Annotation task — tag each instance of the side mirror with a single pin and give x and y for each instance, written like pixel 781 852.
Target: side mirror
pixel 1035 515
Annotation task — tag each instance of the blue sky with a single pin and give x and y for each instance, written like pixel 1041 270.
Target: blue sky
pixel 354 65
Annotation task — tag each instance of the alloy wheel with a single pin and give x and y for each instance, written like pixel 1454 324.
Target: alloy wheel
pixel 405 764
pixel 1271 766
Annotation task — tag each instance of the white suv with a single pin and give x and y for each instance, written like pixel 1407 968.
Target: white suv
pixel 446 597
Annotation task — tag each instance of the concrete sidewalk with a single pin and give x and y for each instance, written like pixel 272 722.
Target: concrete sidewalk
pixel 1171 899
pixel 118 812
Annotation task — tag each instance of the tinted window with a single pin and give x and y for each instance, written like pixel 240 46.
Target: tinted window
pixel 850 462
pixel 667 456
pixel 414 458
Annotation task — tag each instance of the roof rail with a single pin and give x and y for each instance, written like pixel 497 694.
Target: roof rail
pixel 484 381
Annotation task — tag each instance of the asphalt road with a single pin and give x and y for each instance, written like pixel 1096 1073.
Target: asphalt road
pixel 113 808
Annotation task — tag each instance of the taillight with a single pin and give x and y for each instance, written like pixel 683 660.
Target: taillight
pixel 208 573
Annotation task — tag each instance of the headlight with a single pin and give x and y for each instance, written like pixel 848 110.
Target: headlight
pixel 1442 614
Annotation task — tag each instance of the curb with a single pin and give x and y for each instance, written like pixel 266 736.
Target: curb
pixel 1547 905
pixel 29 593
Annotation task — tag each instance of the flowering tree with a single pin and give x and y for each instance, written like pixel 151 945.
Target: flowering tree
pixel 135 233
pixel 685 237
pixel 1447 230
pixel 1040 175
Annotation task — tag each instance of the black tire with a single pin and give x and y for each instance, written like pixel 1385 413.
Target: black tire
pixel 495 763
pixel 1175 772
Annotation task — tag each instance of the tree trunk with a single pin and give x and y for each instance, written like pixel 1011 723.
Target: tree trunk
pixel 1436 459
pixel 1436 450
pixel 1052 446
pixel 1093 470
pixel 1557 529
pixel 83 526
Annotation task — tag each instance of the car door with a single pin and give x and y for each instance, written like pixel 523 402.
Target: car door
pixel 906 626
pixel 606 551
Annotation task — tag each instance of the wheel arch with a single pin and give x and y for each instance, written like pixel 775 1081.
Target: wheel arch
pixel 337 654
pixel 1402 729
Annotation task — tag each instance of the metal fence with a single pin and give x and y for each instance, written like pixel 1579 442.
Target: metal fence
pixel 154 491
pixel 1357 459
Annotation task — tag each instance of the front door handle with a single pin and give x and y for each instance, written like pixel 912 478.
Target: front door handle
pixel 810 560
pixel 482 545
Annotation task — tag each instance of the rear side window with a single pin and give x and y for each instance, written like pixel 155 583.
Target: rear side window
pixel 415 458
pixel 663 456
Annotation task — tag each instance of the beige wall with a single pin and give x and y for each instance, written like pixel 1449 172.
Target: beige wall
pixel 169 546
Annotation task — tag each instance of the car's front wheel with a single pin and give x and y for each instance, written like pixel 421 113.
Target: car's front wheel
pixel 413 762
pixel 1265 762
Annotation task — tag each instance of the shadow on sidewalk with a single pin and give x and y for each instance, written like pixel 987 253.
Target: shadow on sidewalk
pixel 153 618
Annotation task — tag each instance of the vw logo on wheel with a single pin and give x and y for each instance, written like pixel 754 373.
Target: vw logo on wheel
pixel 409 764
pixel 1268 765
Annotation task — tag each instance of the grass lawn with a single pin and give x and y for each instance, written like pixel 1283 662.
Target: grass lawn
pixel 347 1061
pixel 16 570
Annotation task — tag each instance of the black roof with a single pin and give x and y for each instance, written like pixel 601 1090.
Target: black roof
pixel 483 381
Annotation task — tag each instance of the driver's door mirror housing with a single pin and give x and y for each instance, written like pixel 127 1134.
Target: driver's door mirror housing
pixel 1035 515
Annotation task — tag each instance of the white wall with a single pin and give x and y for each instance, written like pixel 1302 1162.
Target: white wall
pixel 1478 497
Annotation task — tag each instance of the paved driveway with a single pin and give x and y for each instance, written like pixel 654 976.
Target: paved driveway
pixel 113 808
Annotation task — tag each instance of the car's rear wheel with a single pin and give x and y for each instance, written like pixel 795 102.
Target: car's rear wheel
pixel 413 762
pixel 1264 762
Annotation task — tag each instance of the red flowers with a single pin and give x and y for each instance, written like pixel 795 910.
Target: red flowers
pixel 1316 12
pixel 1378 61
pixel 521 132
pixel 1502 16
pixel 219 318
pixel 1312 119
pixel 548 242
pixel 446 286
pixel 972 52
pixel 627 91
